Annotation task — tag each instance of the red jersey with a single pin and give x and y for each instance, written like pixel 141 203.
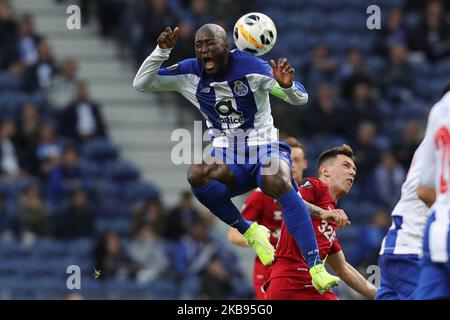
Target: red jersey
pixel 261 208
pixel 289 261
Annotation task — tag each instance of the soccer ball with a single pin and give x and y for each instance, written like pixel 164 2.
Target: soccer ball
pixel 255 32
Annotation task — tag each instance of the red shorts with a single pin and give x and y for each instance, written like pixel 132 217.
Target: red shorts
pixel 290 289
pixel 260 277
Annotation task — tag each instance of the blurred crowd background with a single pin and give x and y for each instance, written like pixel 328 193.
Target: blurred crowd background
pixel 68 197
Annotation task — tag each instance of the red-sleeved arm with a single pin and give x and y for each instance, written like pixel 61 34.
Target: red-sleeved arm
pixel 252 208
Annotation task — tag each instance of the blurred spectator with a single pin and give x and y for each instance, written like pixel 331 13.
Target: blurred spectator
pixel 393 33
pixel 109 14
pixel 9 165
pixel 66 177
pixel 216 281
pixel 362 106
pixel 149 18
pixel 389 176
pixel 147 251
pixel 39 76
pixel 352 72
pixel 185 43
pixel 370 239
pixel 64 85
pixel 398 79
pixel 82 119
pixel 28 40
pixel 181 218
pixel 200 13
pixel 321 67
pixel 32 212
pixel 366 152
pixel 150 212
pixel 324 115
pixel 432 35
pixel 78 220
pixel 196 250
pixel 27 136
pixel 111 258
pixel 3 214
pixel 8 36
pixel 48 150
pixel 408 143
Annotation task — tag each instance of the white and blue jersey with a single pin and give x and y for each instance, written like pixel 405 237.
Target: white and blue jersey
pixel 401 249
pixel 434 281
pixel 234 105
pixel 409 216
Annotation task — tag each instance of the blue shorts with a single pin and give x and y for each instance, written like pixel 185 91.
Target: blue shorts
pixel 399 275
pixel 434 279
pixel 247 163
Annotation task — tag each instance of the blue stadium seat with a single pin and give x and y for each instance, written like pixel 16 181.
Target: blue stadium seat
pixel 122 172
pixel 80 247
pixel 308 20
pixel 113 207
pixel 140 191
pixel 100 150
pixel 90 169
pixel 49 248
pixel 120 225
pixel 10 82
pixel 442 69
pixel 336 41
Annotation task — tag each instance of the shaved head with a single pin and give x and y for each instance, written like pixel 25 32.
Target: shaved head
pixel 212 30
pixel 212 49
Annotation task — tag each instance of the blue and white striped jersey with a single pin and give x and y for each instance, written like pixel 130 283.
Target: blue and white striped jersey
pixel 236 104
pixel 435 172
pixel 409 216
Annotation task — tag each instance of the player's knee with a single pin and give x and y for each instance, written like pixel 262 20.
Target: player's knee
pixel 197 176
pixel 276 185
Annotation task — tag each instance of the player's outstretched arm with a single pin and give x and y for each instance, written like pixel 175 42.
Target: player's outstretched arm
pixel 286 88
pixel 351 276
pixel 147 77
pixel 235 237
pixel 337 215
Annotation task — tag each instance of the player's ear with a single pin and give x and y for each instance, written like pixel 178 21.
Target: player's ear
pixel 305 164
pixel 324 170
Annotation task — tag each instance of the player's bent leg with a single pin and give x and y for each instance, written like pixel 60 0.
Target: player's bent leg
pixel 215 195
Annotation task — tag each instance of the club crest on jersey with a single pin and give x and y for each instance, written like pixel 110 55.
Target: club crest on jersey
pixel 240 89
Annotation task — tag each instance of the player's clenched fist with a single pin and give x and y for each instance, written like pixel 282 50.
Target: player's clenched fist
pixel 168 38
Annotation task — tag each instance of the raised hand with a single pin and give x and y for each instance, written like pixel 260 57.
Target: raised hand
pixel 337 215
pixel 283 72
pixel 168 38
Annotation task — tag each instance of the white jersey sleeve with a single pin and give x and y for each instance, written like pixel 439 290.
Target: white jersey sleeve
pixel 427 161
pixel 150 77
